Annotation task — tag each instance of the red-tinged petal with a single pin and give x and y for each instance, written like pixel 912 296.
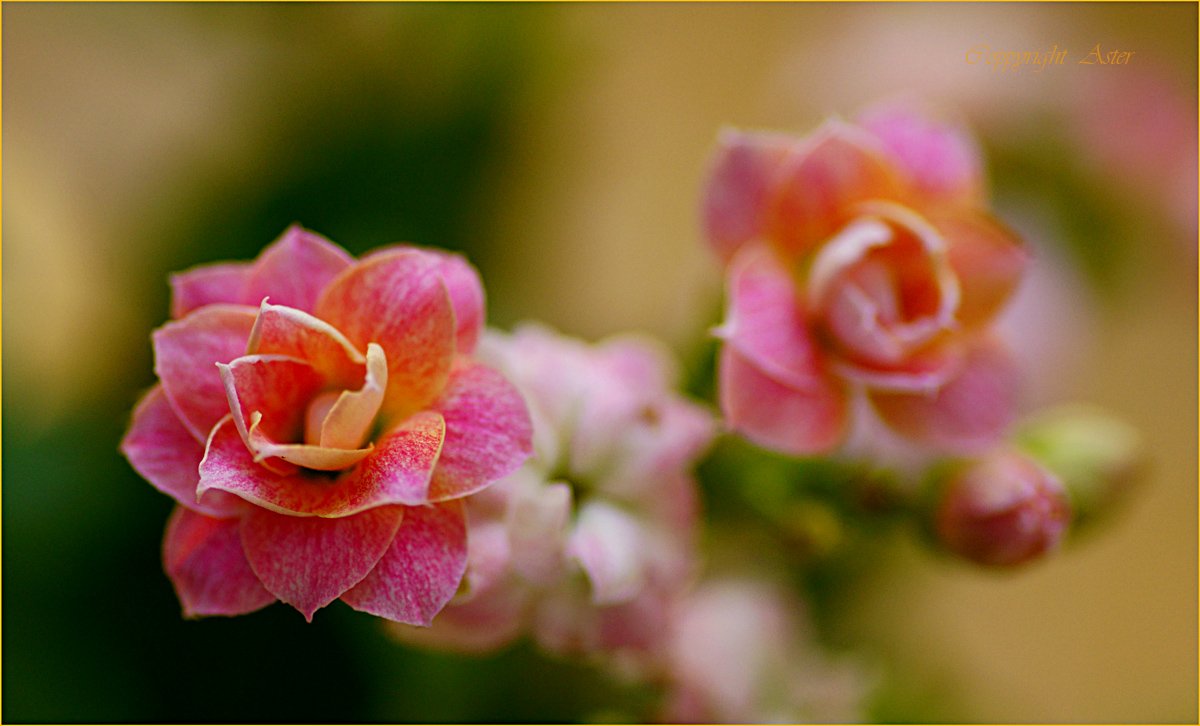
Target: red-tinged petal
pixel 739 188
pixel 350 418
pixel 800 421
pixel 400 301
pixel 208 284
pixel 401 467
pixel 841 166
pixel 488 431
pixel 940 159
pixel 970 412
pixel 162 450
pixel 270 393
pixel 185 354
pixel 988 258
pixel 308 562
pixel 294 269
pixel 280 330
pixel 766 321
pixel 421 570
pixel 488 611
pixel 397 471
pixel 203 557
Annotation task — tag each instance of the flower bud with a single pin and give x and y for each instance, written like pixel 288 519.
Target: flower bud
pixel 1096 455
pixel 1002 510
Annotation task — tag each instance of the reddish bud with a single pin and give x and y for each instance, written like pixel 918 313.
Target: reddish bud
pixel 1002 510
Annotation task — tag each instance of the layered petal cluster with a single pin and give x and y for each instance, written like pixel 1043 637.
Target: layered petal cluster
pixel 587 545
pixel 740 651
pixel 861 262
pixel 318 421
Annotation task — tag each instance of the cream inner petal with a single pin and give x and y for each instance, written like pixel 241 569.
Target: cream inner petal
pixel 350 418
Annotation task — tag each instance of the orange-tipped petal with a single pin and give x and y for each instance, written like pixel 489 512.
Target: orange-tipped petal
pixel 488 431
pixel 398 470
pixel 968 413
pixel 794 420
pixel 988 258
pixel 203 557
pixel 350 418
pixel 941 159
pixel 840 167
pixel 280 330
pixel 400 301
pixel 421 570
pixel 206 285
pixel 308 562
pixel 185 354
pixel 739 188
pixel 294 269
pixel 162 450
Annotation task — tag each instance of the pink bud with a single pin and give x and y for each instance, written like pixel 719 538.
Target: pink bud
pixel 1003 510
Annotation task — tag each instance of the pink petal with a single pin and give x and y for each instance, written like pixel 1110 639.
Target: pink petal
pixel 839 167
pixel 185 354
pixel 739 188
pixel 294 269
pixel 400 301
pixel 921 372
pixel 397 471
pixel 208 284
pixel 308 562
pixel 488 611
pixel 463 284
pixel 269 396
pixel 940 159
pixel 162 450
pixel 421 570
pixel 800 421
pixel 272 390
pixel 968 413
pixel 609 546
pixel 401 467
pixel 766 322
pixel 988 258
pixel 488 431
pixel 538 519
pixel 203 557
pixel 280 330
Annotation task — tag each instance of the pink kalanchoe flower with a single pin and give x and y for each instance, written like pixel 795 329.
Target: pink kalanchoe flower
pixel 740 651
pixel 861 261
pixel 1003 510
pixel 319 421
pixel 586 545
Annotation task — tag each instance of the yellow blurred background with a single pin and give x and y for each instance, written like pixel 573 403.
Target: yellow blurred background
pixel 120 121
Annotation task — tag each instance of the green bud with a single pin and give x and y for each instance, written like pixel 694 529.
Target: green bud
pixel 1097 456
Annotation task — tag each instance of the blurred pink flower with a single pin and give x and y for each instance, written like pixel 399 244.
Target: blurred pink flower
pixel 860 259
pixel 588 542
pixel 1003 510
pixel 740 652
pixel 319 446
